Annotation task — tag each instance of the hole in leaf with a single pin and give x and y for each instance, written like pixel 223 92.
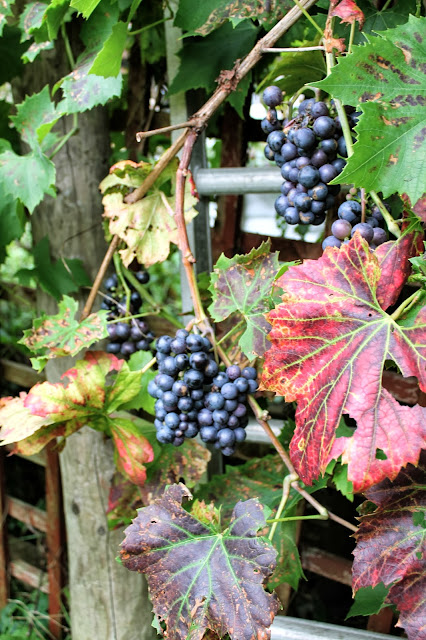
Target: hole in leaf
pixel 380 454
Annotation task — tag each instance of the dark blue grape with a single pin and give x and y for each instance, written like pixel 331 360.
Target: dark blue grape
pixel 208 434
pixel 319 219
pixel 331 241
pixel 339 164
pixel 211 369
pixel 113 347
pixel 177 442
pixel 305 106
pixel 199 360
pixel 293 175
pixel 185 404
pixel 194 342
pixel 220 379
pixel 300 188
pixel 291 216
pixel 241 384
pixel 376 213
pixel 324 127
pixel 128 348
pixel 240 434
pixel 286 187
pixel 135 300
pixel 272 96
pixel 165 435
pixel 288 151
pixel 329 146
pixel 240 411
pixel 285 170
pixel 253 385
pixel 318 158
pixel 169 366
pixel 111 283
pixel 249 372
pixel 327 173
pixel 205 418
pixel 304 138
pixel 142 277
pixel 192 430
pixel 302 161
pixel 341 147
pixel 194 379
pixel 181 361
pixel 178 345
pixel 373 222
pixel 233 372
pixel 170 399
pixel 153 389
pixel 303 202
pixel 364 230
pixel 270 125
pixel 197 394
pixel 291 195
pixel 350 211
pixel 172 420
pixel 317 207
pixel 214 401
pixel 230 405
pixel 269 153
pixel 122 330
pixel 319 109
pixel 281 204
pixel 229 391
pixel 306 217
pixel 319 191
pixel 220 416
pixel 226 437
pixel 163 344
pixel 379 236
pixel 275 140
pixel 164 381
pixel 309 176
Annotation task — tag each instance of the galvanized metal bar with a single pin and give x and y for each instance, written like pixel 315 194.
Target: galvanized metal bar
pixel 288 628
pixel 238 180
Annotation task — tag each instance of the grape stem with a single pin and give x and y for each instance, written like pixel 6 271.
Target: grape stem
pixel 308 17
pixel 362 205
pixel 390 222
pixel 407 304
pixel 231 332
pixel 119 271
pixel 318 516
pixel 285 494
pixel 292 49
pixel 148 366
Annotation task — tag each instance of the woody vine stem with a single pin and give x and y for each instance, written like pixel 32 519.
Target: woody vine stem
pixel 193 127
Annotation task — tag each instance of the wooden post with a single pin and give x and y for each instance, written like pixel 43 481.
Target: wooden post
pixel 4 578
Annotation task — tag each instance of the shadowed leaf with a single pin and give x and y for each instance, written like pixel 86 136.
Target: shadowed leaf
pixel 200 578
pixel 62 334
pixel 330 340
pixel 243 284
pixel 391 546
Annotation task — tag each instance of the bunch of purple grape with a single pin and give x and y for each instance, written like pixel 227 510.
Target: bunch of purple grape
pixel 349 222
pixel 194 396
pixel 307 151
pixel 129 334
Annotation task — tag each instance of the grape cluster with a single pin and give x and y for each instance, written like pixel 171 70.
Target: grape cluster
pixel 310 151
pixel 349 222
pixel 195 397
pixel 128 335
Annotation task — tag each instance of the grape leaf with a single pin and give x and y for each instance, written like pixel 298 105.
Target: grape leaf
pixel 83 90
pixel 5 12
pixel 35 48
pixel 62 334
pixel 348 11
pixel 132 447
pixel 31 22
pixel 108 61
pixel 203 17
pixel 368 600
pixel 391 546
pixel 85 7
pixel 27 177
pixel 143 400
pixel 54 16
pixel 387 77
pixel 200 578
pixel 330 339
pixel 242 284
pixel 88 398
pixel 147 226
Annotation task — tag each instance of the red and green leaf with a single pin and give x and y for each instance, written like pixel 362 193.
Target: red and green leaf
pixel 133 449
pixel 201 578
pixel 243 285
pixel 391 546
pixel 348 11
pixel 330 340
pixel 63 335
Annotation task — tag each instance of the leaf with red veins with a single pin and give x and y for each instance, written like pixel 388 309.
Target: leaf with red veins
pixel 391 546
pixel 133 448
pixel 330 339
pixel 201 578
pixel 16 421
pixel 348 11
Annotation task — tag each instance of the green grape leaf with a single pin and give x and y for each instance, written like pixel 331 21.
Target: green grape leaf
pixel 387 78
pixel 62 334
pixel 142 400
pixel 5 12
pixel 31 21
pixel 368 600
pixel 202 62
pixel 83 90
pixel 85 7
pixel 242 284
pixel 108 61
pixel 35 48
pixel 147 226
pixel 203 17
pixel 54 16
pixel 35 117
pixel 50 410
pixel 27 177
pixel 98 27
pixel 290 71
pixel 341 482
pixel 199 577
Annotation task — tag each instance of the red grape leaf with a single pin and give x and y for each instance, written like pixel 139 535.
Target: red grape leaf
pixel 330 339
pixel 133 449
pixel 391 546
pixel 62 335
pixel 243 284
pixel 51 410
pixel 348 11
pixel 201 578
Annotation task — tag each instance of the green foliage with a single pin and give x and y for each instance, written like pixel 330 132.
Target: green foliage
pixel 27 177
pixel 368 600
pixel 386 78
pixel 108 61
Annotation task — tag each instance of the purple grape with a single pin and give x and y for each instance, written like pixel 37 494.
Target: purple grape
pixel 317 207
pixel 142 277
pixel 291 216
pixel 309 176
pixel 318 158
pixel 379 236
pixel 350 211
pixel 329 146
pixel 240 434
pixel 193 378
pixel 364 230
pixel 339 164
pixel 305 138
pixel 269 153
pixel 319 109
pixel 289 151
pixel 341 147
pixel 303 202
pixel 275 140
pixel 331 241
pixel 319 191
pixel 281 204
pixel 226 437
pixel 293 174
pixel 286 186
pixel 122 330
pixel 113 347
pixel 306 217
pixel 270 125
pixel 272 96
pixel 302 161
pixel 278 158
pixel 208 434
pixel 327 173
pixel 341 229
pixel 324 127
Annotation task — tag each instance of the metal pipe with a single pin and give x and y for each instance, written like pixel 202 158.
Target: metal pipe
pixel 237 181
